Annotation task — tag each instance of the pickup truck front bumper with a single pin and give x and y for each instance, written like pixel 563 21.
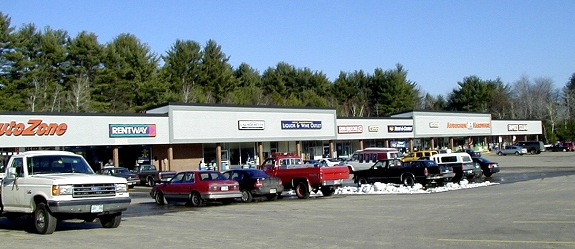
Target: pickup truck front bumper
pixel 90 206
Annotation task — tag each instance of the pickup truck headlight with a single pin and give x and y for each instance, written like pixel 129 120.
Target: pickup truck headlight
pixel 62 189
pixel 121 187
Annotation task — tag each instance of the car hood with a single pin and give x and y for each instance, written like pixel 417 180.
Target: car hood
pixel 79 178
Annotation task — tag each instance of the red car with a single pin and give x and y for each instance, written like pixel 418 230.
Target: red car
pixel 197 187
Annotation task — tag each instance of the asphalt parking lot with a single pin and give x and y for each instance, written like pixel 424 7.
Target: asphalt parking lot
pixel 533 207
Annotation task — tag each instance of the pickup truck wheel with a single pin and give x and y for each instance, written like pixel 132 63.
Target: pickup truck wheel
pixel 362 181
pixel 44 221
pixel 159 198
pixel 500 153
pixel 302 191
pixel 408 181
pixel 195 200
pixel 151 181
pixel 247 196
pixel 111 220
pixel 328 191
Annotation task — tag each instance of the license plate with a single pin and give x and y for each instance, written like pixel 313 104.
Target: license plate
pixel 272 191
pixel 97 208
pixel 224 188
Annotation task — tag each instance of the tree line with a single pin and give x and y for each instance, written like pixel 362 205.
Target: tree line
pixel 47 70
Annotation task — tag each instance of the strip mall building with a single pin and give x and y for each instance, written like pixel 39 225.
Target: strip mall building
pixel 177 136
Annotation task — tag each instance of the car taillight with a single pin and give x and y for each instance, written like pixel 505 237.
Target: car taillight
pixel 258 183
pixel 425 172
pixel 213 187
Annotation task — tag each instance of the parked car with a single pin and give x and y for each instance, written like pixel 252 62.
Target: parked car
pixel 311 161
pixel 533 147
pixel 150 176
pixel 471 152
pixel 418 154
pixel 557 147
pixel 409 173
pixel 197 187
pixel 256 183
pixel 513 150
pixel 488 167
pixel 461 163
pixel 329 162
pixel 132 178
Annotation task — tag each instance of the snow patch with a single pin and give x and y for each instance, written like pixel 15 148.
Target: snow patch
pixel 390 188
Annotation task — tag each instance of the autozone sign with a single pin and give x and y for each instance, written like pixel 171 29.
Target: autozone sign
pixel 34 127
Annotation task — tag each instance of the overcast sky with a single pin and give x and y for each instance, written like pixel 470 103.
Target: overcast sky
pixel 438 42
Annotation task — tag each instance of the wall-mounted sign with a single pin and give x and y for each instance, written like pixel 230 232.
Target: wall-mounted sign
pixel 347 129
pixel 373 128
pixel 517 127
pixel 132 130
pixel 400 128
pixel 34 127
pixel 251 125
pixel 289 125
pixel 433 124
pixel 469 125
pixel 398 144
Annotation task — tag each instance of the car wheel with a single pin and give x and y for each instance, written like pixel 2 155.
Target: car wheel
pixel 160 198
pixel 44 221
pixel 517 153
pixel 362 180
pixel 301 190
pixel 247 196
pixel 487 174
pixel 408 181
pixel 151 181
pixel 272 197
pixel 328 190
pixel 195 199
pixel 111 220
pixel 500 153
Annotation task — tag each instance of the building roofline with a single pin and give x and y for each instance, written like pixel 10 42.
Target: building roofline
pixel 241 106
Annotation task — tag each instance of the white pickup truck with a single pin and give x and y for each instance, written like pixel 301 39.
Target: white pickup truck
pixel 59 185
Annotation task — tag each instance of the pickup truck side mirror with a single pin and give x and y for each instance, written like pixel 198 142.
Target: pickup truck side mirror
pixel 12 172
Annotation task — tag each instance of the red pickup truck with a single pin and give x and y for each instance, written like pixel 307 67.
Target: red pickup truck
pixel 304 178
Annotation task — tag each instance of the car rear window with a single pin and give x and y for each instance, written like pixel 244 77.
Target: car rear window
pixel 257 174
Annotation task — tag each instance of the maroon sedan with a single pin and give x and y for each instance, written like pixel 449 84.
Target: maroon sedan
pixel 196 187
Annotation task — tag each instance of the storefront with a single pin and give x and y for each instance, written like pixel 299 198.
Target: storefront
pixel 179 136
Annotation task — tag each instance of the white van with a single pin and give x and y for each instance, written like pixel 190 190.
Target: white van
pixel 461 163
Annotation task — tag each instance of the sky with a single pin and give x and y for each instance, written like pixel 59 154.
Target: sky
pixel 439 42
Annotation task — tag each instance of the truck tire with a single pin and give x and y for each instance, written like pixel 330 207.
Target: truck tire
pixel 151 181
pixel 111 220
pixel 159 198
pixel 362 180
pixel 302 191
pixel 44 221
pixel 327 190
pixel 247 196
pixel 408 181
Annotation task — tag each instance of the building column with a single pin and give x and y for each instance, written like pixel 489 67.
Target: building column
pixel 432 144
pixel 451 144
pixel 219 156
pixel 260 152
pixel 361 144
pixel 386 143
pixel 170 157
pixel 331 149
pixel 410 144
pixel 116 156
pixel 298 148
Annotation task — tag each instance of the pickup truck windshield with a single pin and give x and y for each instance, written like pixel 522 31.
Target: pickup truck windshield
pixel 50 164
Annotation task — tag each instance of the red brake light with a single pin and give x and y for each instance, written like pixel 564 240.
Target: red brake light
pixel 425 172
pixel 258 183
